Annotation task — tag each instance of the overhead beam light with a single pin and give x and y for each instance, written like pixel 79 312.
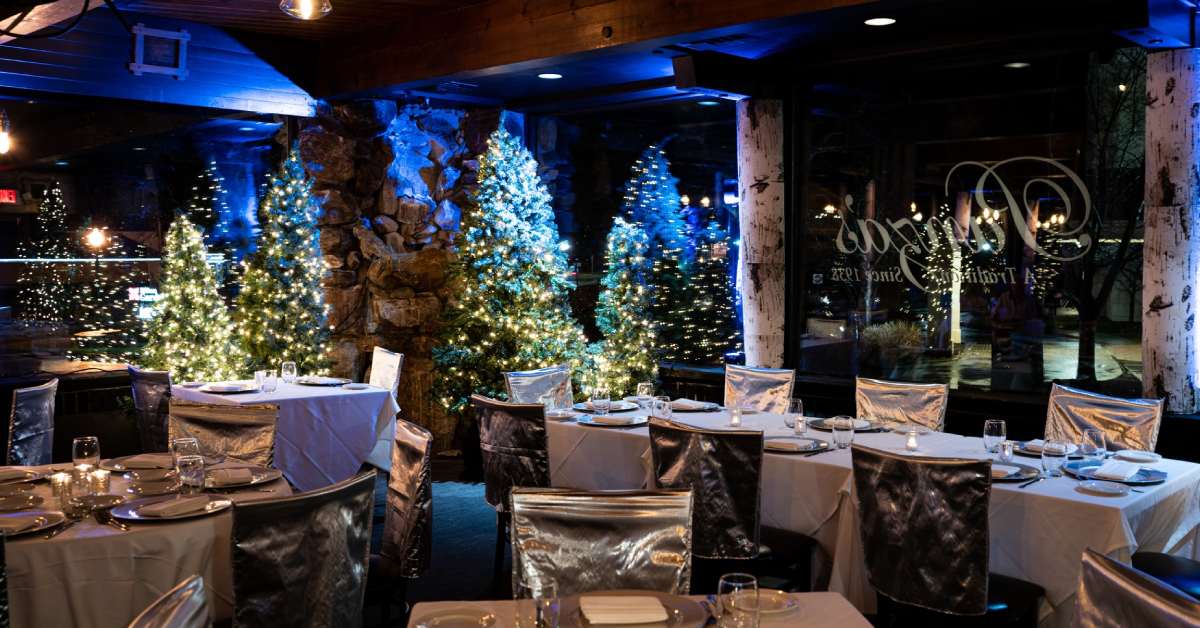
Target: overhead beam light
pixel 707 103
pixel 306 9
pixel 880 21
pixel 550 76
pixel 1016 65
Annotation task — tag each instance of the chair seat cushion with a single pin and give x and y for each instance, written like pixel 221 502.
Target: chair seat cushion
pixel 1177 571
pixel 1010 602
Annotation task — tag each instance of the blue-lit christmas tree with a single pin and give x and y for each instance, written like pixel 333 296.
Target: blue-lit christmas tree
pixel 512 311
pixel 626 354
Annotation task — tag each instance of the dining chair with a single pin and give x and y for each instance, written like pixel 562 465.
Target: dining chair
pixel 923 523
pixel 385 369
pixel 243 432
pixel 302 560
pixel 761 389
pixel 602 540
pixel 1126 423
pixel 184 606
pixel 512 440
pixel 902 402
pixel 5 619
pixel 151 406
pixel 532 386
pixel 31 425
pixel 1178 571
pixel 1115 595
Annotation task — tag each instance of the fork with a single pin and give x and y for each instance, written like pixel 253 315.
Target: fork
pixel 60 529
pixel 104 516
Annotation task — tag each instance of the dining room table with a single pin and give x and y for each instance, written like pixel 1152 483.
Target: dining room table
pixel 325 433
pixel 1038 531
pixel 97 575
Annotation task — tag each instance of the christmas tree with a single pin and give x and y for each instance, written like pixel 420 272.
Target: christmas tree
pixel 191 336
pixel 203 203
pixel 281 313
pixel 709 327
pixel 668 286
pixel 512 312
pixel 652 199
pixel 108 328
pixel 939 285
pixel 625 356
pixel 44 288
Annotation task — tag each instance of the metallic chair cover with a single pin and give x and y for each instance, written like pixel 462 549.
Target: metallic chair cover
pixel 512 437
pixel 245 432
pixel 1126 423
pixel 603 540
pixel 723 469
pixel 924 527
pixel 385 369
pixel 901 402
pixel 302 560
pixel 1115 595
pixel 151 405
pixel 408 522
pixel 5 617
pixel 31 425
pixel 531 386
pixel 185 606
pixel 765 390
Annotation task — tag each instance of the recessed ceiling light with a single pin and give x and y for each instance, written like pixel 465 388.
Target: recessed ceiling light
pixel 139 148
pixel 61 162
pixel 245 128
pixel 880 21
pixel 1016 65
pixel 550 76
pixel 708 103
pixel 306 9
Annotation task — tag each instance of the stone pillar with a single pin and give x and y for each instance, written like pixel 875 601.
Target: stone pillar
pixel 761 264
pixel 1171 252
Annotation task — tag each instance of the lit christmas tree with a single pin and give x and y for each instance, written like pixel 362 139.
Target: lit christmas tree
pixel 107 326
pixel 44 288
pixel 625 356
pixel 652 199
pixel 939 286
pixel 709 321
pixel 203 205
pixel 512 312
pixel 191 336
pixel 281 312
pixel 668 285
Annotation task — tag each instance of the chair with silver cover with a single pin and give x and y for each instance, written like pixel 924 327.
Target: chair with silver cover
pixel 302 560
pixel 1181 572
pixel 244 432
pixel 184 606
pixel 924 528
pixel 1126 423
pixel 602 540
pixel 761 389
pixel 1115 595
pixel 512 440
pixel 533 386
pixel 385 369
pixel 31 425
pixel 902 402
pixel 151 406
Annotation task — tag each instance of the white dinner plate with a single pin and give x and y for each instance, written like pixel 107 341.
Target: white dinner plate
pixel 860 425
pixel 615 406
pixel 1135 455
pixel 192 384
pixel 38 521
pixel 456 617
pixel 560 414
pixel 612 421
pixel 318 380
pixel 129 510
pixel 258 475
pixel 356 386
pixel 793 444
pixel 26 475
pixel 1101 487
pixel 229 388
pixel 680 610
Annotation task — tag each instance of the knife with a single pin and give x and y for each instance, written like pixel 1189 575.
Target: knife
pixel 1033 481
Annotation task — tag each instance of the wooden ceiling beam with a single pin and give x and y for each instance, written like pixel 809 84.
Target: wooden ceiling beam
pixel 46 15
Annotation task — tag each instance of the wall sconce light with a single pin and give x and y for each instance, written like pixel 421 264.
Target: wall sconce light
pixel 306 9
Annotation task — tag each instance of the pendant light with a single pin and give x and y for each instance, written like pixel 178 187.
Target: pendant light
pixel 306 9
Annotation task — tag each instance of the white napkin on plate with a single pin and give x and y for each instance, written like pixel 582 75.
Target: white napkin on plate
pixel 1003 470
pixel 605 419
pixel 1035 445
pixel 622 609
pixel 225 477
pixel 148 461
pixel 1135 455
pixel 174 507
pixel 1117 470
pixel 688 404
pixel 12 473
pixel 784 445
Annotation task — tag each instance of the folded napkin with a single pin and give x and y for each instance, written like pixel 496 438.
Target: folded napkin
pixel 689 404
pixel 12 473
pixel 622 609
pixel 1117 470
pixel 1135 455
pixel 1003 470
pixel 604 419
pixel 226 477
pixel 174 507
pixel 148 461
pixel 1035 444
pixel 12 524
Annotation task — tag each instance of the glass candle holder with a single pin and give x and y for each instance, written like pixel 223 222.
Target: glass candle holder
pixel 1004 451
pixel 60 484
pixel 101 481
pixel 735 417
pixel 911 443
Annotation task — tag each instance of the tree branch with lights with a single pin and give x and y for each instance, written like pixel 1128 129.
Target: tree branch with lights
pixel 626 354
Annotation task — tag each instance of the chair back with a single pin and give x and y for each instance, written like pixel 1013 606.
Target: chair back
pixel 1126 423
pixel 385 369
pixel 245 432
pixel 563 535
pixel 31 425
pixel 531 386
pixel 901 402
pixel 723 469
pixel 302 560
pixel 924 528
pixel 512 437
pixel 764 390
pixel 408 520
pixel 1115 595
pixel 185 606
pixel 151 406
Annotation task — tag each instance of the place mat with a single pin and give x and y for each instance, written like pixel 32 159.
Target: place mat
pixel 152 489
pixel 455 617
pixel 1033 449
pixel 614 406
pixel 139 462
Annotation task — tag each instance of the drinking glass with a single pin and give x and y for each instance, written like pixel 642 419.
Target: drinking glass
pixel 994 431
pixel 600 400
pixel 661 407
pixel 796 412
pixel 1093 445
pixel 537 603
pixel 85 450
pixel 288 372
pixel 645 392
pixel 191 474
pixel 843 431
pixel 1004 451
pixel 1054 456
pixel 186 446
pixel 737 600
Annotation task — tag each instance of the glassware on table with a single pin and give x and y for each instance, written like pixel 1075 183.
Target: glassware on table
pixel 191 474
pixel 537 603
pixel 842 427
pixel 184 446
pixel 796 412
pixel 1054 456
pixel 266 380
pixel 600 400
pixel 85 450
pixel 1005 450
pixel 994 432
pixel 735 416
pixel 60 485
pixel 1094 444
pixel 661 407
pixel 912 439
pixel 100 482
pixel 287 371
pixel 737 600
pixel 645 393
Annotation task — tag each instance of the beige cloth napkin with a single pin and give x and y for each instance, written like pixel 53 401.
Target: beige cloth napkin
pixel 688 404
pixel 1117 470
pixel 174 507
pixel 1003 470
pixel 783 445
pixel 622 609
pixel 604 419
pixel 12 473
pixel 226 477
pixel 148 461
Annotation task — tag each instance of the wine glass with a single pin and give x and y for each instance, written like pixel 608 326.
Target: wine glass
pixel 994 431
pixel 600 400
pixel 85 452
pixel 796 412
pixel 1054 456
pixel 287 371
pixel 537 603
pixel 1093 445
pixel 737 600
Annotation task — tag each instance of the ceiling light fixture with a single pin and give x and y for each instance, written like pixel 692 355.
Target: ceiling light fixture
pixel 550 76
pixel 5 136
pixel 1017 65
pixel 708 103
pixel 306 9
pixel 880 21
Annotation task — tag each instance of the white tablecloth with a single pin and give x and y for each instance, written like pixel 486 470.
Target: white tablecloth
pixel 1038 533
pixel 95 576
pixel 816 610
pixel 325 433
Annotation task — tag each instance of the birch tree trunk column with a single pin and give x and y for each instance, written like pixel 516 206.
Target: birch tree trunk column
pixel 761 262
pixel 1171 251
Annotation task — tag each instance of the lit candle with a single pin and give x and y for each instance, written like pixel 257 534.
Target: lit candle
pixel 911 442
pixel 735 417
pixel 100 481
pixel 60 484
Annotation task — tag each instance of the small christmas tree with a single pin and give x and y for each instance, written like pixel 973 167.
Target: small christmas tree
pixel 191 336
pixel 512 312
pixel 281 313
pixel 652 200
pixel 108 328
pixel 939 285
pixel 208 209
pixel 44 288
pixel 709 327
pixel 625 356
pixel 668 283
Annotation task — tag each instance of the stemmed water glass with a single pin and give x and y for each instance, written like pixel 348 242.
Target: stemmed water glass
pixel 994 431
pixel 737 600
pixel 537 603
pixel 600 400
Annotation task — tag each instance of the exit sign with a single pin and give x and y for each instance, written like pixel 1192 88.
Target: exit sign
pixel 8 196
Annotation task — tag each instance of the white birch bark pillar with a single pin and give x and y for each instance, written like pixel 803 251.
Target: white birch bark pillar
pixel 760 217
pixel 962 217
pixel 1171 252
